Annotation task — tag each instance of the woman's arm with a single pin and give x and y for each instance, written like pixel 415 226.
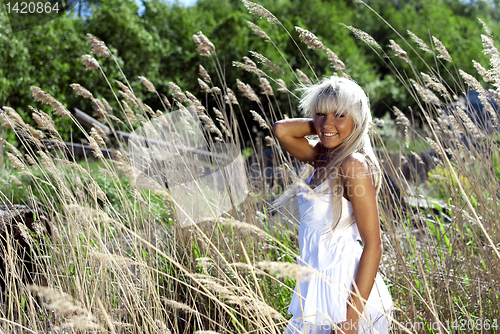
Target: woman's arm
pixel 291 134
pixel 363 197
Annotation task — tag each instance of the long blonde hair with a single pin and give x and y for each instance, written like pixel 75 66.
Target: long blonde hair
pixel 340 96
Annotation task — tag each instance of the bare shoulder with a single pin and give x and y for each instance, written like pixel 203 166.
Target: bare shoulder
pixel 355 165
pixel 358 182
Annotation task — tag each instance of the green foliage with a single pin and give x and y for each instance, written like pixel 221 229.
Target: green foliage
pixel 458 29
pixel 159 46
pixel 441 181
pixel 19 187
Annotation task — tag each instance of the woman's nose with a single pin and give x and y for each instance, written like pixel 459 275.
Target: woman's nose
pixel 329 120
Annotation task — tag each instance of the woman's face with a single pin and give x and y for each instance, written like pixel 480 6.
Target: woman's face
pixel 332 129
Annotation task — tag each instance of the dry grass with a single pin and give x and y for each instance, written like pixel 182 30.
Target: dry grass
pixel 119 261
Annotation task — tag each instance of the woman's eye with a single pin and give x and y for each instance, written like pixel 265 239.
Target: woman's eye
pixel 341 115
pixel 320 114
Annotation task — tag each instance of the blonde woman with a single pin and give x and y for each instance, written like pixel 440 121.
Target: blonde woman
pixel 338 208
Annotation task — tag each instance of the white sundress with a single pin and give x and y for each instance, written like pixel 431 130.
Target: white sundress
pixel 320 302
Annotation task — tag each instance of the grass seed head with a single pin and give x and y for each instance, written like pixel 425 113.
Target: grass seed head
pixel 82 91
pixel 149 85
pixel 267 63
pixel 96 149
pixel 46 98
pixel 107 106
pixel 231 97
pixel 485 27
pixel 242 225
pixel 270 141
pixel 259 119
pixel 99 110
pixel 90 62
pixel 177 92
pixel 483 72
pixel 15 161
pixel 97 136
pixel 363 36
pixel 400 117
pixel 426 94
pixel 489 46
pixel 472 82
pixel 310 39
pixel 337 64
pixel 434 145
pixel 266 87
pixel 65 306
pixel 470 127
pixel 398 50
pixel 123 86
pixel 204 74
pixel 287 269
pixel 6 121
pixel 162 328
pixel 128 95
pixel 258 31
pixel 47 161
pixel 218 113
pixel 249 62
pixel 420 42
pixel 98 46
pixel 34 132
pixel 166 101
pixel 16 181
pixel 43 120
pixel 282 84
pixel 96 191
pixel 247 91
pixel 12 148
pixel 40 95
pixel 129 112
pixel 14 116
pixel 249 67
pixel 30 160
pixel 204 87
pixel 148 109
pixel 205 47
pixel 194 102
pixel 303 78
pixel 443 53
pixel 61 110
pixel 260 11
pixel 434 84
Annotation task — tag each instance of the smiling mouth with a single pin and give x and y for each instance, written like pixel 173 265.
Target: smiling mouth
pixel 329 134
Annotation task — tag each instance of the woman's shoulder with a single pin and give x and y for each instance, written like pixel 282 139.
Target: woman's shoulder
pixel 354 164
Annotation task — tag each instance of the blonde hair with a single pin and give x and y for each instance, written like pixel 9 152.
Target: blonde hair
pixel 340 96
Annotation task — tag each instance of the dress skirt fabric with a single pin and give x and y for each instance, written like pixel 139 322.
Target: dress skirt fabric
pixel 320 300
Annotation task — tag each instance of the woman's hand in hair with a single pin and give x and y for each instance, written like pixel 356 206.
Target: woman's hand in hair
pixel 291 134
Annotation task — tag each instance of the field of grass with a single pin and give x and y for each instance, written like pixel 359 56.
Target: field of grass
pixel 119 261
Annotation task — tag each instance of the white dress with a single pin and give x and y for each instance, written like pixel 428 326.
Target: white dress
pixel 321 301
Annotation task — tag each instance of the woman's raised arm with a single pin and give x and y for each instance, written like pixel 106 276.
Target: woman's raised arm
pixel 291 134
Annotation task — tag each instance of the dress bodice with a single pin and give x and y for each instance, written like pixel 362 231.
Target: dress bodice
pixel 315 210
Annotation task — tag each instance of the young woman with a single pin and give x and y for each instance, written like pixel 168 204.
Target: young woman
pixel 346 295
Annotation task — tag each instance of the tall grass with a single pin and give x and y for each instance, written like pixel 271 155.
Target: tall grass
pixel 119 261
